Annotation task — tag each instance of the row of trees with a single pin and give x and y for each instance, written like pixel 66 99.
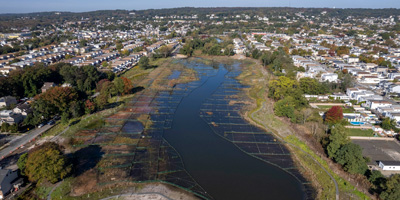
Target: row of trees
pixel 28 81
pixel 290 100
pixel 288 94
pixel 67 102
pixel 341 150
pixel 344 152
pixel 210 46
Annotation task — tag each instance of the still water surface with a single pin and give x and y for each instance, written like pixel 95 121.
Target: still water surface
pixel 223 170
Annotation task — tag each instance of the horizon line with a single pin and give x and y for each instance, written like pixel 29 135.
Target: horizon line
pixel 294 7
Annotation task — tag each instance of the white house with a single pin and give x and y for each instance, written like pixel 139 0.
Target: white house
pixel 377 129
pixel 8 116
pixel 394 89
pixel 394 115
pixel 377 103
pixel 330 77
pixel 370 79
pixel 389 165
pixel 340 96
pixel 353 60
pixel 351 91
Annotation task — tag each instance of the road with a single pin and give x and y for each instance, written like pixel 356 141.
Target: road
pixel 12 146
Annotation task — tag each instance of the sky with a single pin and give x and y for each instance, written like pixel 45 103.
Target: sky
pixel 26 6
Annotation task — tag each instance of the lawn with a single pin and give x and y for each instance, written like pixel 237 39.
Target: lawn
pixel 345 109
pixel 360 132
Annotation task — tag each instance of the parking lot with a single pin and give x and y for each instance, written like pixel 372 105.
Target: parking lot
pixel 379 150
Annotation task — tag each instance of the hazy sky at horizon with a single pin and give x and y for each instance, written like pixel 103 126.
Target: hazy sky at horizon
pixel 24 6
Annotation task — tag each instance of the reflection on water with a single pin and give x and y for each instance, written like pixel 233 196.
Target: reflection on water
pixel 214 159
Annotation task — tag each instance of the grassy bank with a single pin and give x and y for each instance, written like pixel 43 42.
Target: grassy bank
pixel 263 115
pixel 150 79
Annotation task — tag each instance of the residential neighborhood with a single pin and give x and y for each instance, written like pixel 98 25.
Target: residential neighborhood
pixel 164 103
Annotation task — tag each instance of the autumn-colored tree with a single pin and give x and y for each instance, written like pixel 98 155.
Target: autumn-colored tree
pixel 100 84
pixel 127 85
pixel 46 162
pixel 90 106
pixel 334 115
pixel 60 97
pixel 342 50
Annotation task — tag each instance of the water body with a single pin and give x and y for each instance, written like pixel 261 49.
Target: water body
pixel 221 168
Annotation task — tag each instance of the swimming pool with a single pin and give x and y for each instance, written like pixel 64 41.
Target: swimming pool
pixel 357 123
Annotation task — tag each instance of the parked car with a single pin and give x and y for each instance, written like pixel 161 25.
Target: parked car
pixel 41 125
pixel 51 122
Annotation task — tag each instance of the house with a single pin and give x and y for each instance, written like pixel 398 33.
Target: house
pixel 370 79
pixel 7 101
pixel 374 104
pixel 377 129
pixel 340 96
pixel 389 165
pixel 47 85
pixel 9 117
pixel 23 109
pixel 6 179
pixel 394 88
pixel 352 91
pixel 394 115
pixel 353 59
pixel 330 77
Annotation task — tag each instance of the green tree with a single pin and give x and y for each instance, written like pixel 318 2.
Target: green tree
pixel 5 127
pixel 312 86
pixel 165 51
pixel 14 128
pixel 267 58
pixel 282 87
pixel 337 139
pixel 119 85
pixel 285 107
pixel 229 50
pixel 83 42
pixel 47 162
pixel 144 62
pixel 376 178
pixel 104 64
pixel 350 157
pixel 119 46
pixel 391 188
pixel 388 123
pixel 186 50
pixel 21 163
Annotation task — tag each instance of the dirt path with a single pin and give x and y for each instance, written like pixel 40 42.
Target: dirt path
pixel 155 191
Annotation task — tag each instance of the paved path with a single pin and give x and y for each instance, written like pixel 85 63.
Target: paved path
pixel 54 188
pixel 12 146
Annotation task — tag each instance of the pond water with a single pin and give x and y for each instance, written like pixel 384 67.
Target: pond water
pixel 225 169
